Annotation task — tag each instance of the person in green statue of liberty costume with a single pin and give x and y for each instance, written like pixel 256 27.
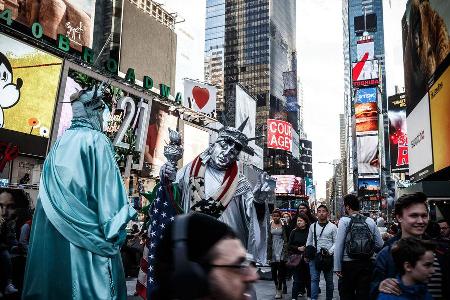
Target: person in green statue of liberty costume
pixel 81 213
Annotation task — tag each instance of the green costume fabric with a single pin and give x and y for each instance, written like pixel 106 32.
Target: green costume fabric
pixel 79 223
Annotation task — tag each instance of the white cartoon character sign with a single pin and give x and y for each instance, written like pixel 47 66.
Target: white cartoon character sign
pixel 9 92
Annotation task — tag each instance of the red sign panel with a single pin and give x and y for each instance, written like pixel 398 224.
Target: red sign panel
pixel 279 135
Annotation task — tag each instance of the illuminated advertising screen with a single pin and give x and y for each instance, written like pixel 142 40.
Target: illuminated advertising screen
pixel 366 118
pixel 195 141
pixel 366 95
pixel 440 120
pixel 368 154
pixel 369 188
pixel 365 73
pixel 200 97
pixel 28 90
pixel 128 119
pixel 72 18
pixel 419 141
pixel 426 44
pixel 279 135
pixel 289 184
pixel 398 139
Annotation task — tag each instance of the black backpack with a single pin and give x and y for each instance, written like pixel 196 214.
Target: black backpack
pixel 359 240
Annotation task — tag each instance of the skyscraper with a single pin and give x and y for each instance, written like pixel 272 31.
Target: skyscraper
pixel 260 55
pixel 215 48
pixel 363 24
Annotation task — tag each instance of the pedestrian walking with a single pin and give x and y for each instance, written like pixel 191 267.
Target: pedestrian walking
pixel 411 211
pixel 277 252
pixel 200 257
pixel 357 240
pixel 297 246
pixel 304 208
pixel 322 236
pixel 414 260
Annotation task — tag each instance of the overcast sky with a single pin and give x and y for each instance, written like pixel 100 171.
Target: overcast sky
pixel 320 66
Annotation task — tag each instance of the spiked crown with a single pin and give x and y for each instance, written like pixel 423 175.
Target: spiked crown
pixel 237 136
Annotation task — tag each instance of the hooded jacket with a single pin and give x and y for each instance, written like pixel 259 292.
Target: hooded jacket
pixel 412 292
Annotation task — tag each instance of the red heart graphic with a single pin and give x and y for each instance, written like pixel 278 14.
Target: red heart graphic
pixel 201 96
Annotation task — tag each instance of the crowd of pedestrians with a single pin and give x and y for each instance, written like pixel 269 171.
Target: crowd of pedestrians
pixel 372 259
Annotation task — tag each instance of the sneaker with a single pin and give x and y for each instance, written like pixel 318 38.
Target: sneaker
pixel 278 295
pixel 300 294
pixel 10 289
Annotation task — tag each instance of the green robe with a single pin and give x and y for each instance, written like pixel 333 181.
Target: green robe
pixel 79 222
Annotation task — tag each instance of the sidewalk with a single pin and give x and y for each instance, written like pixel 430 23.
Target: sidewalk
pixel 264 289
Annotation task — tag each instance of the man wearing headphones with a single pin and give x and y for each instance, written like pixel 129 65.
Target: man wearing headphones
pixel 200 257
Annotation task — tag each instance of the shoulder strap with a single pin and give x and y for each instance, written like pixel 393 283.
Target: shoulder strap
pixel 315 234
pixel 323 228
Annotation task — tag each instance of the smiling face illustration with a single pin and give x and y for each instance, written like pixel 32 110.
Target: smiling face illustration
pixel 9 92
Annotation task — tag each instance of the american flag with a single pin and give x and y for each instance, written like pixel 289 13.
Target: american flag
pixel 162 211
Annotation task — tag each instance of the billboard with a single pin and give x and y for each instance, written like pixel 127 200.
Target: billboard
pixel 128 119
pixel 200 97
pixel 279 135
pixel 440 120
pixel 368 154
pixel 245 107
pixel 426 44
pixel 365 73
pixel 289 184
pixel 420 142
pixel 366 95
pixel 72 18
pixel 398 139
pixel 195 141
pixel 28 90
pixel 365 49
pixel 367 22
pixel 369 188
pixel 366 118
pixel 295 144
pixel 161 119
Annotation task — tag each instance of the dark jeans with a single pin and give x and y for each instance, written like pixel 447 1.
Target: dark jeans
pixel 302 280
pixel 6 268
pixel 355 281
pixel 315 279
pixel 278 273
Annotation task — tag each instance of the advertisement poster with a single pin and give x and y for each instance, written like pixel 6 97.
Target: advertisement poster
pixel 426 43
pixel 440 120
pixel 366 95
pixel 279 135
pixel 398 139
pixel 195 142
pixel 127 121
pixel 289 184
pixel 366 118
pixel 369 188
pixel 28 91
pixel 365 49
pixel 368 155
pixel 200 97
pixel 72 18
pixel 420 142
pixel 161 119
pixel 365 73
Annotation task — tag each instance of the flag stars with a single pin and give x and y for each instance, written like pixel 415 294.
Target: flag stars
pixel 152 233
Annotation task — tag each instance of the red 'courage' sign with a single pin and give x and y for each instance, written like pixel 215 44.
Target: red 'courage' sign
pixel 279 135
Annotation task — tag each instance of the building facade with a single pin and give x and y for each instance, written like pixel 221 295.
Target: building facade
pixel 215 48
pixel 260 55
pixel 363 19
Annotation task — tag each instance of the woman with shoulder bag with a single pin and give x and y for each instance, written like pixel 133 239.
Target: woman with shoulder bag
pixel 277 244
pixel 297 245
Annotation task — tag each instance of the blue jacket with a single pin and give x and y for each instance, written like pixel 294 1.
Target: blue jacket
pixel 413 292
pixel 384 267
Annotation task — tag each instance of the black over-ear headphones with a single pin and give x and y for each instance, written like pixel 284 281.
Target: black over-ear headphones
pixel 189 280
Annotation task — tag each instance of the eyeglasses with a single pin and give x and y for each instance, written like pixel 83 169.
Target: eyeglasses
pixel 247 267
